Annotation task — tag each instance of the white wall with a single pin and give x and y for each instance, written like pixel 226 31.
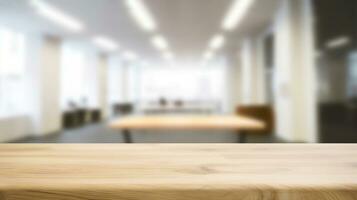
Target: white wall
pixel 295 72
pixel 42 114
pixel 95 78
pixel 129 77
pixel 114 82
pixel 16 127
pixel 13 128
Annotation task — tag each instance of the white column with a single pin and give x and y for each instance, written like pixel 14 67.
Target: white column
pixel 103 85
pixel 44 85
pixel 252 72
pixel 129 79
pixel 260 73
pixel 233 93
pixel 295 72
pixel 125 82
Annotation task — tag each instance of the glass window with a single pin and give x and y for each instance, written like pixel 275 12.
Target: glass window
pixel 115 78
pixel 186 84
pixel 352 76
pixel 12 72
pixel 78 77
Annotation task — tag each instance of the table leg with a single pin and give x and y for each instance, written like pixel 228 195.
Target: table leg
pixel 127 136
pixel 242 137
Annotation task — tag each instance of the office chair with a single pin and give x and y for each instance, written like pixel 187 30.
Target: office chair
pixel 263 113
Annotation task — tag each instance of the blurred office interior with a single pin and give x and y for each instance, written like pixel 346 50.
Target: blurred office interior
pixel 67 68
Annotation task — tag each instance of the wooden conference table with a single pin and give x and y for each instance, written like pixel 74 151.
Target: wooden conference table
pixel 240 124
pixel 178 171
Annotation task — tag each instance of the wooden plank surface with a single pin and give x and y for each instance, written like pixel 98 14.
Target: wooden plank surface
pixel 178 171
pixel 185 122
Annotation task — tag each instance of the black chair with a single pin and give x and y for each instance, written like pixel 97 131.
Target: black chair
pixel 95 115
pixel 81 116
pixel 123 109
pixel 263 113
pixel 163 102
pixel 69 119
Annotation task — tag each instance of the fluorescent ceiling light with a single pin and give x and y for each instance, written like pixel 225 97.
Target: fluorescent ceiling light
pixel 236 13
pixel 57 16
pixel 208 55
pixel 160 42
pixel 105 43
pixel 168 55
pixel 217 42
pixel 141 14
pixel 128 55
pixel 338 42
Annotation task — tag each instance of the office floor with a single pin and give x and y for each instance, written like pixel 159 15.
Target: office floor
pixel 100 133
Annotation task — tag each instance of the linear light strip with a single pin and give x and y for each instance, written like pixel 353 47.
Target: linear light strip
pixel 217 42
pixel 141 14
pixel 105 43
pixel 160 42
pixel 338 42
pixel 236 13
pixel 54 14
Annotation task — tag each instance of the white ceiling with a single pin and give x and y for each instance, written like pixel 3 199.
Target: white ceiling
pixel 188 25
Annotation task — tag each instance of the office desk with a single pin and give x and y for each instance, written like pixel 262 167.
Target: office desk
pixel 178 171
pixel 186 122
pixel 185 109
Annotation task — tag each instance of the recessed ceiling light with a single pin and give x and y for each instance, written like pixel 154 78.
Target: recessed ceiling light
pixel 338 42
pixel 208 55
pixel 168 55
pixel 217 42
pixel 51 13
pixel 128 55
pixel 159 42
pixel 141 14
pixel 105 43
pixel 236 13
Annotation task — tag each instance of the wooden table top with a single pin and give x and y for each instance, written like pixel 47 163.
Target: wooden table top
pixel 178 171
pixel 191 122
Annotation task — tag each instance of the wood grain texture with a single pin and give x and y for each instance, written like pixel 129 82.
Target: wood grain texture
pixel 178 171
pixel 188 122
